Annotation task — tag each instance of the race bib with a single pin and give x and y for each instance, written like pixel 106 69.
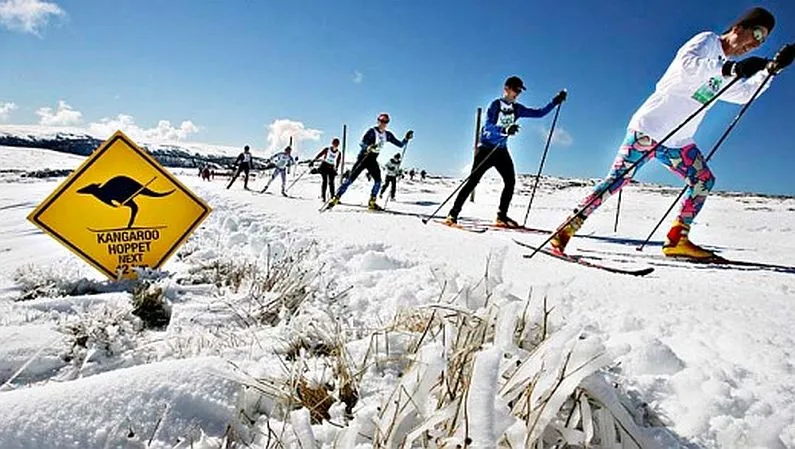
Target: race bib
pixel 708 90
pixel 507 116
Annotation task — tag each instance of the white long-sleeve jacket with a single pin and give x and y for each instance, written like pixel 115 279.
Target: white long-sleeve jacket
pixel 693 77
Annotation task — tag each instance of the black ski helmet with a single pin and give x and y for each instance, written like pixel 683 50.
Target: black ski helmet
pixel 245 148
pixel 515 83
pixel 335 141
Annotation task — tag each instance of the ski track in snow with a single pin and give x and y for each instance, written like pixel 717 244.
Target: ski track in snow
pixel 711 348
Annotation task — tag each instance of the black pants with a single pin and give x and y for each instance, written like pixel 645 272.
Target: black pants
pixel 365 161
pixel 328 174
pixel 243 167
pixel 390 180
pixel 498 158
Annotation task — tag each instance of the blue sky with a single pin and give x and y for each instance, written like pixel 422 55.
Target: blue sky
pixel 233 68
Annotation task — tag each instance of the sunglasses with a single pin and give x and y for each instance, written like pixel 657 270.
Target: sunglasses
pixel 759 34
pixel 381 120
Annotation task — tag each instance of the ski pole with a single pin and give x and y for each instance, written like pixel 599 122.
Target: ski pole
pixel 618 211
pixel 709 155
pixel 629 169
pixel 402 155
pixel 425 220
pixel 541 165
pixel 297 179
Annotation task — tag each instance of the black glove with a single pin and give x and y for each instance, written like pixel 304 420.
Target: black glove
pixel 782 59
pixel 512 129
pixel 409 135
pixel 560 97
pixel 744 68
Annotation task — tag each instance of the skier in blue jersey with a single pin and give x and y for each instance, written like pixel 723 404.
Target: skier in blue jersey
pixel 492 151
pixel 372 143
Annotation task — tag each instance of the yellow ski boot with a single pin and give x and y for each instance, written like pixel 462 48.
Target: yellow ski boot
pixel 564 234
pixel 677 244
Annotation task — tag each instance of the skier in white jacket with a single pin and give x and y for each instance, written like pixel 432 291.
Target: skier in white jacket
pixel 699 70
pixel 281 161
pixel 392 174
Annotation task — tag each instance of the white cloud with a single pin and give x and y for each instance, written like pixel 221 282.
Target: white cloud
pixel 5 110
pixel 162 132
pixel 280 131
pixel 28 16
pixel 358 77
pixel 559 137
pixel 63 116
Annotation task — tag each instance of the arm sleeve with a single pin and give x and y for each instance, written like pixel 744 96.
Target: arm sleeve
pixel 695 59
pixel 368 139
pixel 743 90
pixel 523 111
pixel 393 140
pixel 491 119
pixel 321 154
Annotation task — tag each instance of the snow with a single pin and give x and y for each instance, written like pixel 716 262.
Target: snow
pixel 16 158
pixel 706 351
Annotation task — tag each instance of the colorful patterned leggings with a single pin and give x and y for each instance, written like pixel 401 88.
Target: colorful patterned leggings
pixel 687 162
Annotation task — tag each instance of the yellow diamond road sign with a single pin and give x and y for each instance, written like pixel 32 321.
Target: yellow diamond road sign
pixel 120 209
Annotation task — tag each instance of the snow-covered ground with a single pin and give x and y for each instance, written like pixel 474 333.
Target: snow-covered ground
pixel 707 349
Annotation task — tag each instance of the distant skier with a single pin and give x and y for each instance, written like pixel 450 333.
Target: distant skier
pixel 392 173
pixel 372 143
pixel 412 172
pixel 281 161
pixel 697 72
pixel 206 173
pixel 330 159
pixel 423 173
pixel 492 151
pixel 243 165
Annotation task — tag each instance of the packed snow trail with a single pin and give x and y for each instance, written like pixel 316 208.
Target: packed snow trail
pixel 710 348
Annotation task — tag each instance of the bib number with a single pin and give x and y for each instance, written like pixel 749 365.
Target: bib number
pixel 708 90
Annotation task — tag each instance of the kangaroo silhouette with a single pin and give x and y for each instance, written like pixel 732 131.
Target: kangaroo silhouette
pixel 121 191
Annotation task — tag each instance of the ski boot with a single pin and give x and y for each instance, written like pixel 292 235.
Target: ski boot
pixel 451 221
pixel 284 193
pixel 504 221
pixel 562 236
pixel 332 202
pixel 677 244
pixel 372 205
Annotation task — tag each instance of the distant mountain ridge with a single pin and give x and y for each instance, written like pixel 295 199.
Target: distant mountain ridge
pixel 78 142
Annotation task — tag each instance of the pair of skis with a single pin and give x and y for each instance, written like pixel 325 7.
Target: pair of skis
pixel 584 261
pixel 593 261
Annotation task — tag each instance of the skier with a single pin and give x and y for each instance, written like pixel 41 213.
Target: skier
pixel 423 174
pixel 696 74
pixel 329 165
pixel 411 174
pixel 281 161
pixel 392 173
pixel 492 150
pixel 243 165
pixel 372 143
